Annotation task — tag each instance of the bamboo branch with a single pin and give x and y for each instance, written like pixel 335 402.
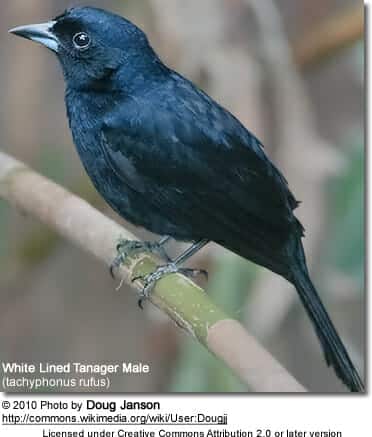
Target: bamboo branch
pixel 335 34
pixel 185 302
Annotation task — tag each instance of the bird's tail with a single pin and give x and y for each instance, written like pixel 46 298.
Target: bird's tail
pixel 334 350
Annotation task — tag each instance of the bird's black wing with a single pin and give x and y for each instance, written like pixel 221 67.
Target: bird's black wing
pixel 197 165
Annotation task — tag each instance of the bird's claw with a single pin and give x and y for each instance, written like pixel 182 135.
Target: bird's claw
pixel 126 248
pixel 149 281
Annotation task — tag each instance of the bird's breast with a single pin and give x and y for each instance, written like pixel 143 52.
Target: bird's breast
pixel 86 114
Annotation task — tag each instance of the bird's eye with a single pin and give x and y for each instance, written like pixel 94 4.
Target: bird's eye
pixel 81 40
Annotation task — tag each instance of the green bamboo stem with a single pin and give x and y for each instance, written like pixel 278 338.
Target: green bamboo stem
pixel 186 303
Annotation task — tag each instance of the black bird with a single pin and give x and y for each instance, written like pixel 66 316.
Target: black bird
pixel 168 158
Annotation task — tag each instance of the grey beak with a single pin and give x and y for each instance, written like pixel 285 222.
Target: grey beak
pixel 40 33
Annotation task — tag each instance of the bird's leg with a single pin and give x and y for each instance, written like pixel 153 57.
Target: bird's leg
pixel 172 267
pixel 127 248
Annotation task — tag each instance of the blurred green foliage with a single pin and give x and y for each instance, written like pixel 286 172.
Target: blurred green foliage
pixel 346 194
pixel 53 164
pixel 359 60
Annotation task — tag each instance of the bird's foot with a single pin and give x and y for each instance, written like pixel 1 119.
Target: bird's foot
pixel 127 248
pixel 162 271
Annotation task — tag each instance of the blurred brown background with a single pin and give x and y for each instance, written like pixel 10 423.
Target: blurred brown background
pixel 292 71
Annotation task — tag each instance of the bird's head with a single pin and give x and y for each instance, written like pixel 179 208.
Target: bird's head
pixel 90 43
